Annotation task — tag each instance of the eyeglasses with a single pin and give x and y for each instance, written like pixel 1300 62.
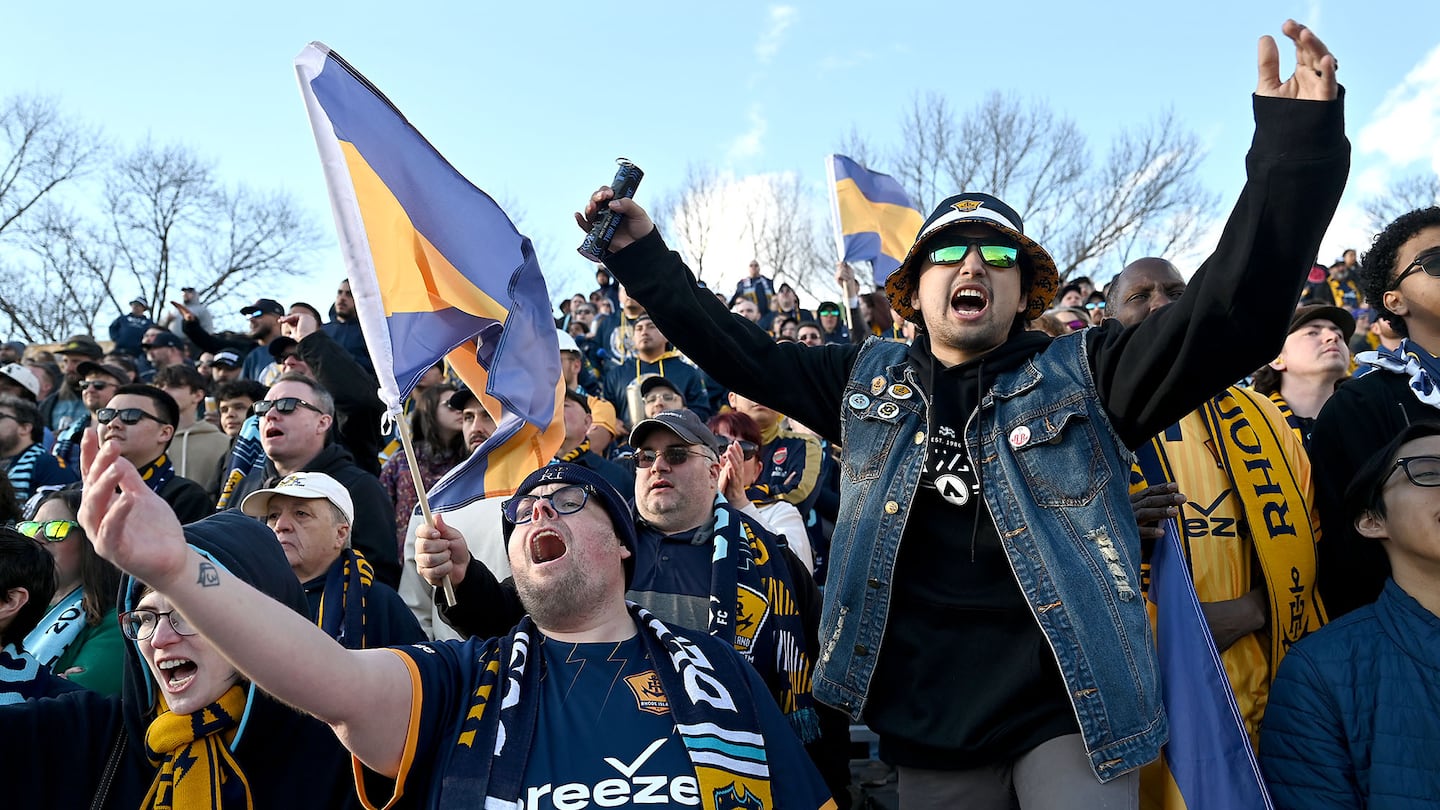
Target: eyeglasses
pixel 661 396
pixel 747 449
pixel 11 416
pixel 1429 261
pixel 1076 324
pixel 140 624
pixel 1423 471
pixel 674 456
pixel 282 405
pixel 51 531
pixel 566 500
pixel 994 252
pixel 1094 305
pixel 130 416
pixel 832 312
pixel 98 385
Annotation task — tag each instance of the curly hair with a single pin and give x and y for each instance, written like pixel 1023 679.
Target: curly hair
pixel 1377 266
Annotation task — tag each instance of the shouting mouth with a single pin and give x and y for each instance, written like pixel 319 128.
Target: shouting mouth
pixel 178 673
pixel 969 303
pixel 546 545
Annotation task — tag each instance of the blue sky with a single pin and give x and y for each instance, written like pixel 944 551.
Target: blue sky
pixel 533 101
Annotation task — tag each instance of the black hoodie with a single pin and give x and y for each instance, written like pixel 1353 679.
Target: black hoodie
pixel 62 752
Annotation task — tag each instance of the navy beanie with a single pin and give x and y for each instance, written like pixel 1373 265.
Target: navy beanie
pixel 603 492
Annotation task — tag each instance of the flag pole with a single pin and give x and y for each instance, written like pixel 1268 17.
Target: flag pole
pixel 409 446
pixel 839 237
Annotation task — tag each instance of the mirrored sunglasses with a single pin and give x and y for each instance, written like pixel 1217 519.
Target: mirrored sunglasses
pixel 52 531
pixel 993 251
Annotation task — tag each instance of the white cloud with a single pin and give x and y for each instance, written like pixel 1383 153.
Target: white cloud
pixel 1406 126
pixel 769 44
pixel 748 144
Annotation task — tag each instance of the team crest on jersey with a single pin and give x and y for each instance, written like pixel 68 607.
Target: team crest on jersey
pixel 736 797
pixel 649 697
pixel 966 206
pixel 780 455
pixel 750 613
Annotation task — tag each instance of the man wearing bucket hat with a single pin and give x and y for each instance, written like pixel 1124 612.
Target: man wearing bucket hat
pixel 1030 600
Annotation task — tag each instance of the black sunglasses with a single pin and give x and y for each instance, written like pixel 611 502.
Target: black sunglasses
pixel 130 416
pixel 282 405
pixel 674 456
pixel 98 385
pixel 747 449
pixel 1429 261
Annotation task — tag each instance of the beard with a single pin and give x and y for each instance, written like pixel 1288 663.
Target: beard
pixel 560 601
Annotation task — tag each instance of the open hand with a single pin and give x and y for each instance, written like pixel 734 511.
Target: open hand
pixel 1314 76
pixel 128 523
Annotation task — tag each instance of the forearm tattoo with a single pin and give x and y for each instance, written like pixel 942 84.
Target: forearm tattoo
pixel 209 575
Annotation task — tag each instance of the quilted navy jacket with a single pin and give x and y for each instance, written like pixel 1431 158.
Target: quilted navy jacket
pixel 1354 714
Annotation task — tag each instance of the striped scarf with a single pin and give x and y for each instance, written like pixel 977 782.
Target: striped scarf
pixel 246 456
pixel 718 725
pixel 158 473
pixel 577 452
pixel 1412 361
pixel 21 471
pixel 765 625
pixel 197 770
pixel 59 629
pixel 342 604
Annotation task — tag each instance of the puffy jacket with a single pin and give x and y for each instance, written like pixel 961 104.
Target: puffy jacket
pixel 1354 714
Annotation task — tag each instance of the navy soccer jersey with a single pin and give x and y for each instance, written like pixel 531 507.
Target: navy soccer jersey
pixel 604 737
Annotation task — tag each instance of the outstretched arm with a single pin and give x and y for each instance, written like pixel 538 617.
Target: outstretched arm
pixel 363 694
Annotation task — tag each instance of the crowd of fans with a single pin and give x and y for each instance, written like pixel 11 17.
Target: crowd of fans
pixel 742 468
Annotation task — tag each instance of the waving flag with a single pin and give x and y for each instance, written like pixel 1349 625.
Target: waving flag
pixel 1209 762
pixel 874 218
pixel 437 270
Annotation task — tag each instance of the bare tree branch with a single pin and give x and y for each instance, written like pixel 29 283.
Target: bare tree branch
pixel 1401 196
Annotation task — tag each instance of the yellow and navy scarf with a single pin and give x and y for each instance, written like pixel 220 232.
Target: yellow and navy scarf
pixel 158 473
pixel 1244 444
pixel 197 769
pixel 577 452
pixel 717 724
pixel 763 622
pixel 342 604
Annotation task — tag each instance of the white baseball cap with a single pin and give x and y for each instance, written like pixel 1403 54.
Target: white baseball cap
pixel 308 485
pixel 24 376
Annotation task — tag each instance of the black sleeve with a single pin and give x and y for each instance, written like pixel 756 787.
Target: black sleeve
pixel 484 606
pixel 804 382
pixel 373 531
pixel 1232 317
pixel 84 723
pixel 1355 423
pixel 357 404
pixel 189 500
pixel 207 342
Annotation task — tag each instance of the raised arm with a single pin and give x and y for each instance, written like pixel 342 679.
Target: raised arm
pixel 363 694
pixel 799 381
pixel 1233 315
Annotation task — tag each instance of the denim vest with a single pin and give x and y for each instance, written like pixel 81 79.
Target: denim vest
pixel 1055 478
